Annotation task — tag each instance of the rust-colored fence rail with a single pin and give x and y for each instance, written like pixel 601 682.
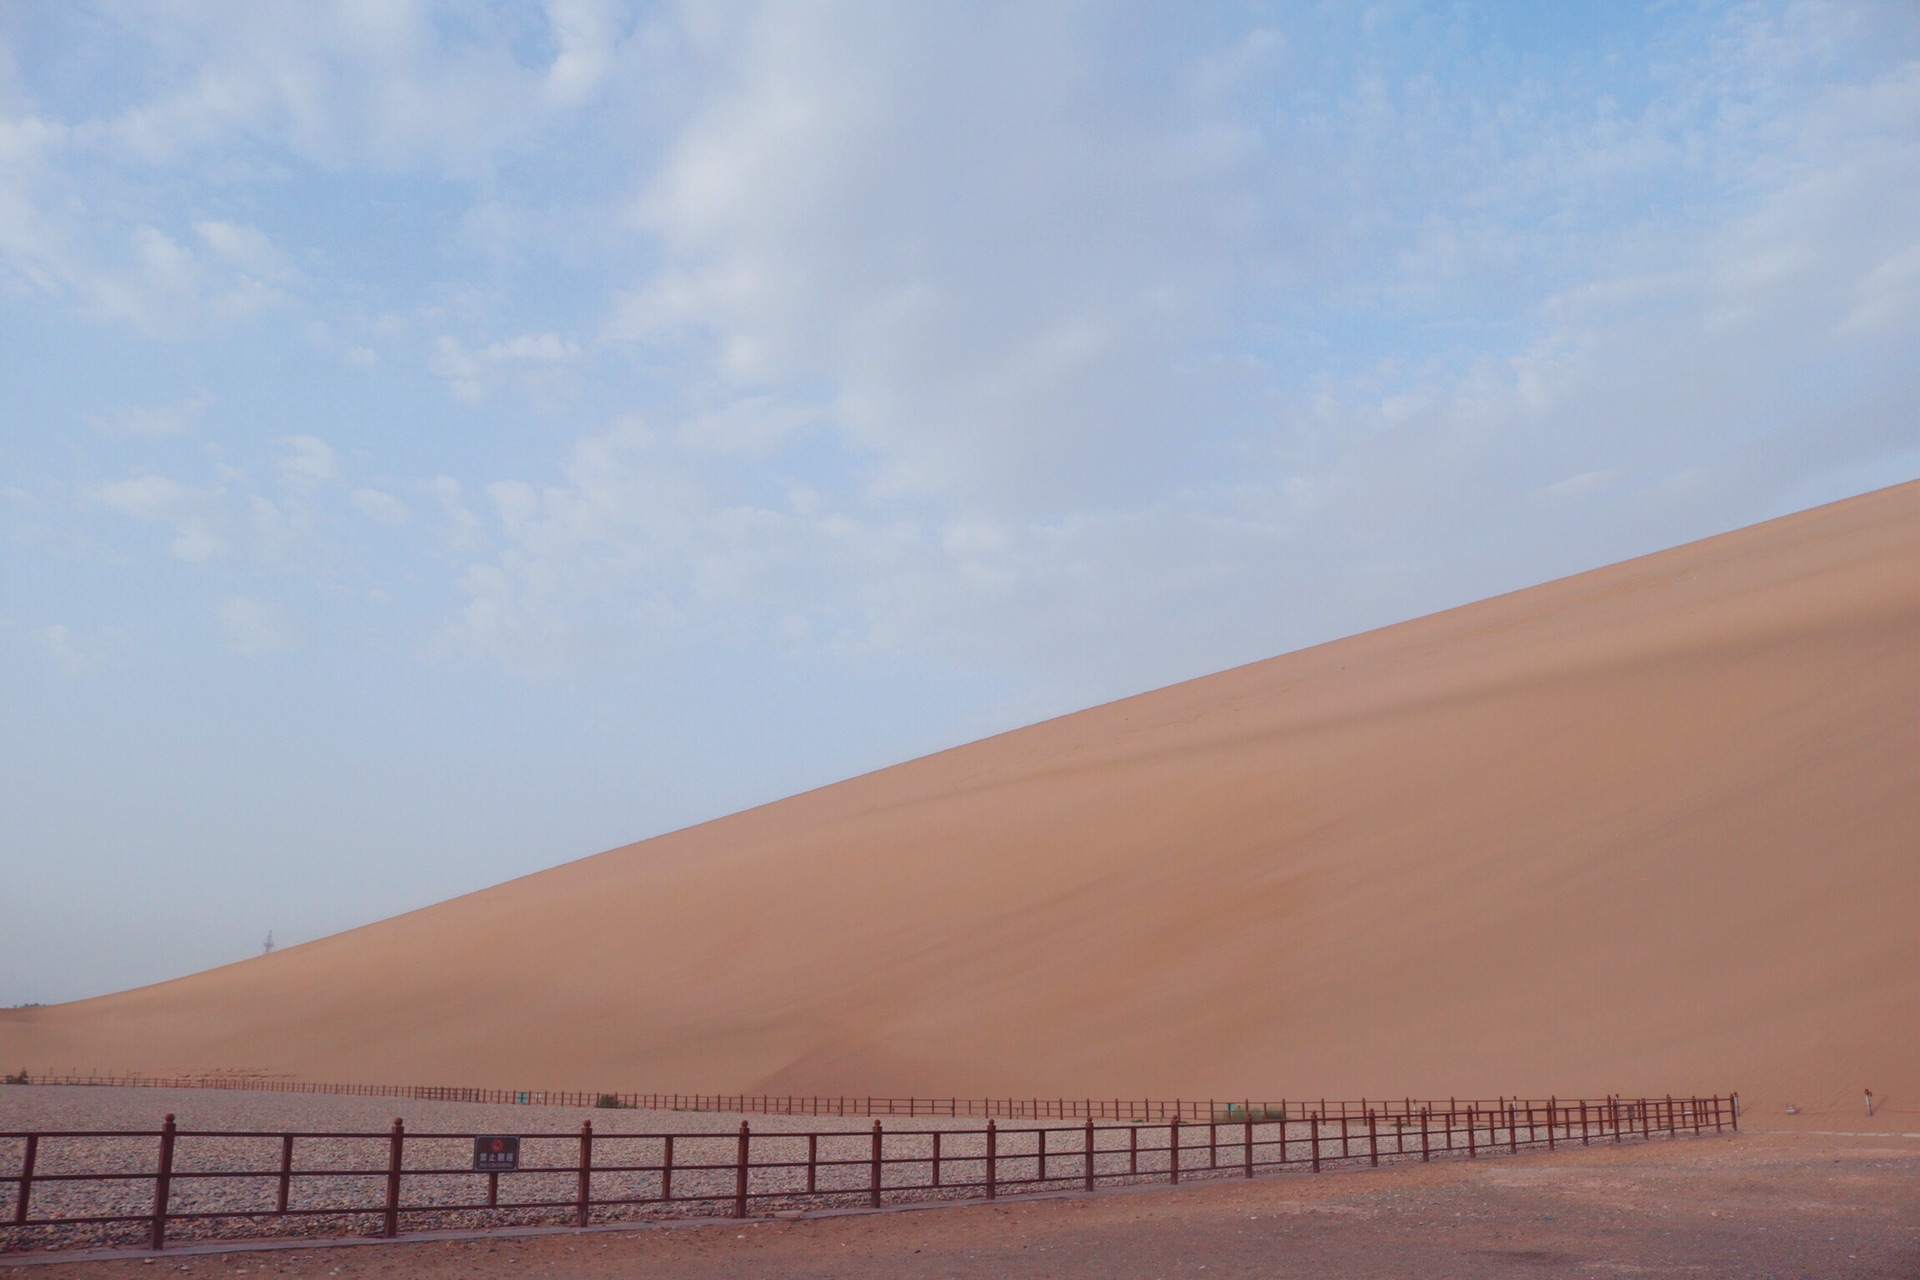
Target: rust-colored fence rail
pixel 984 1108
pixel 143 1186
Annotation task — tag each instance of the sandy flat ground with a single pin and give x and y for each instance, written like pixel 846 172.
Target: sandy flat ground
pixel 1645 830
pixel 1756 1205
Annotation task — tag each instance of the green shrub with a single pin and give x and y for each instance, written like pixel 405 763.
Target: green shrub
pixel 609 1102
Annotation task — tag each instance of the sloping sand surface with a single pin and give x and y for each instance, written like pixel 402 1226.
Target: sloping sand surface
pixel 1654 827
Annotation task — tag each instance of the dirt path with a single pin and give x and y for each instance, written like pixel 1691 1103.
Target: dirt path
pixel 1770 1205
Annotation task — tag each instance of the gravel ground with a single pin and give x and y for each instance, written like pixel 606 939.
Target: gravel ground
pixel 338 1173
pixel 324 1175
pixel 1754 1206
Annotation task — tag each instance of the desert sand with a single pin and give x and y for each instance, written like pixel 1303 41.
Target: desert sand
pixel 1651 828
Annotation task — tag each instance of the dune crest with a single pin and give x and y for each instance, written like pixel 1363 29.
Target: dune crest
pixel 1648 828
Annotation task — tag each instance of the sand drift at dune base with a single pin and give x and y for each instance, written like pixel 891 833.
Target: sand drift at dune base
pixel 1651 828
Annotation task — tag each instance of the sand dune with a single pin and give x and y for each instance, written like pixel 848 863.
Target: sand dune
pixel 1649 828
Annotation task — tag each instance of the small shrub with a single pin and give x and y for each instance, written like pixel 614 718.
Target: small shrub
pixel 1240 1115
pixel 608 1101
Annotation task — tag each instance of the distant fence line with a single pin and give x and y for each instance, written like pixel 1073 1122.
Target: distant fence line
pixel 982 1108
pixel 225 1184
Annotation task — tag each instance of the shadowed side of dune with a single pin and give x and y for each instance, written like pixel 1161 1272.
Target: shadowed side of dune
pixel 1651 827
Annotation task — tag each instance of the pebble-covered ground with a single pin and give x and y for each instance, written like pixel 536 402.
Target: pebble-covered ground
pixel 214 1137
pixel 230 1132
pixel 1753 1206
pixel 230 1146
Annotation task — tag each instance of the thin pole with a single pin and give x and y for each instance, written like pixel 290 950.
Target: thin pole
pixel 1472 1152
pixel 286 1172
pixel 876 1165
pixel 666 1171
pixel 1133 1149
pixel 1313 1136
pixel 586 1173
pixel 1552 1106
pixel 162 1185
pixel 936 1161
pixel 1373 1140
pixel 1173 1148
pixel 1426 1150
pixel 1040 1167
pixel 1250 1143
pixel 993 1158
pixel 1513 1131
pixel 740 1175
pixel 26 1178
pixel 395 1142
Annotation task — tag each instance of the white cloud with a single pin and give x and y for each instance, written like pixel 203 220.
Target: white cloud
pixel 193 513
pixel 307 461
pixel 76 654
pixel 379 506
pixel 155 420
pixel 249 249
pixel 253 626
pixel 471 372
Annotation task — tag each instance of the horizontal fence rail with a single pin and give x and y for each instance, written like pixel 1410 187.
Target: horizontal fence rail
pixel 981 1108
pixel 143 1186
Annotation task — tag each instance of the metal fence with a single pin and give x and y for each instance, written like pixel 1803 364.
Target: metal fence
pixel 981 1108
pixel 141 1186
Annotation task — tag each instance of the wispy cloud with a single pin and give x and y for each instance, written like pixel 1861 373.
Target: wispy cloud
pixel 253 627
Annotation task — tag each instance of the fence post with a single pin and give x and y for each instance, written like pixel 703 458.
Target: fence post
pixel 1040 1164
pixel 1313 1136
pixel 1133 1149
pixel 1513 1129
pixel 1373 1140
pixel 740 1176
pixel 1552 1106
pixel 586 1172
pixel 1089 1152
pixel 1669 1115
pixel 1426 1151
pixel 395 1141
pixel 162 1185
pixel 1472 1138
pixel 876 1164
pixel 286 1172
pixel 1733 1111
pixel 666 1172
pixel 993 1157
pixel 26 1178
pixel 1249 1123
pixel 1173 1148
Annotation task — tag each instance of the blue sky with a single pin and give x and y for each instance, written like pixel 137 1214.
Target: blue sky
pixel 442 440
